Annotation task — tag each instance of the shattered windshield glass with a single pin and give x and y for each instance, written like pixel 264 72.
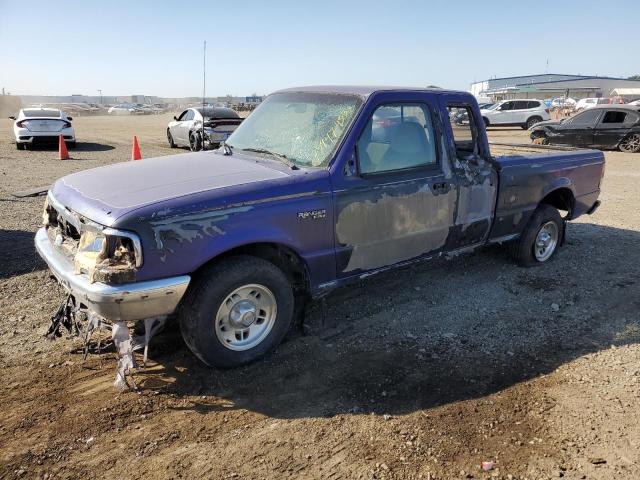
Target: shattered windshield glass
pixel 303 128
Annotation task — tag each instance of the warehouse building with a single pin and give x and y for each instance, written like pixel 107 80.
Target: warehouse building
pixel 552 85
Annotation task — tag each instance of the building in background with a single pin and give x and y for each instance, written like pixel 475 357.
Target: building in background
pixel 551 85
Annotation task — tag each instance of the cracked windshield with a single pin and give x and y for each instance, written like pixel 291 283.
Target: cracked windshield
pixel 301 128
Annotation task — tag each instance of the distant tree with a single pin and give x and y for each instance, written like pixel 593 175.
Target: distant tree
pixel 634 77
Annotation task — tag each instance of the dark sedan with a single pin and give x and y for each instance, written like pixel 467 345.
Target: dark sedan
pixel 606 127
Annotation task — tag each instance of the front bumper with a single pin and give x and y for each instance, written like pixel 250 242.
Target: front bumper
pixel 131 301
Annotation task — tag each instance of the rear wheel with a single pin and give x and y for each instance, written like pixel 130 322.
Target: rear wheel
pixel 72 144
pixel 170 139
pixel 631 144
pixel 541 238
pixel 236 311
pixel 531 122
pixel 194 142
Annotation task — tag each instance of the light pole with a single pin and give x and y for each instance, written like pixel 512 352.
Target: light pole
pixel 100 96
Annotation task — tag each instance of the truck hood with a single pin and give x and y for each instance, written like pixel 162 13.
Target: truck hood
pixel 103 194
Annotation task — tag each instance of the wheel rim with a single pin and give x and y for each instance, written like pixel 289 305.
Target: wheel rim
pixel 193 143
pixel 531 122
pixel 245 317
pixel 631 143
pixel 546 241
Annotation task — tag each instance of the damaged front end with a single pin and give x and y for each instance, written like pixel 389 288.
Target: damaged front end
pixel 98 266
pixel 103 254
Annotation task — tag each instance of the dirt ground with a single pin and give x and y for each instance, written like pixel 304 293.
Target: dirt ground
pixel 421 373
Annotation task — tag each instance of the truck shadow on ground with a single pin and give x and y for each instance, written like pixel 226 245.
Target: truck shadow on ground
pixel 17 254
pixel 417 349
pixel 364 369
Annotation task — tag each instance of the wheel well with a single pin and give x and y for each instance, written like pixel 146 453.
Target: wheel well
pixel 486 121
pixel 562 199
pixel 281 256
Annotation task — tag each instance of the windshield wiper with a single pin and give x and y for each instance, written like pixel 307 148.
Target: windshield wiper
pixel 227 148
pixel 281 156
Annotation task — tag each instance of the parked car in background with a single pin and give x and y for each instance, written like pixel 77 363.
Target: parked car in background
pixel 521 113
pixel 635 103
pixel 563 102
pixel 586 103
pixel 603 127
pixel 123 109
pixel 186 130
pixel 36 126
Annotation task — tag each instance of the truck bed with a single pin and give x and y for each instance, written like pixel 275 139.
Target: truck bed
pixel 528 173
pixel 529 149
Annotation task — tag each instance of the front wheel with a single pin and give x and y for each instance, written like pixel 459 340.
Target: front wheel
pixel 630 144
pixel 541 238
pixel 172 144
pixel 236 311
pixel 20 146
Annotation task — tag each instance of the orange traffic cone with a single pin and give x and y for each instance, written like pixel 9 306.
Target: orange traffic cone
pixel 62 149
pixel 135 151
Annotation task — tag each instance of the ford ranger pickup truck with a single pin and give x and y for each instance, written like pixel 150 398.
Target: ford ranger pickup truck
pixel 318 187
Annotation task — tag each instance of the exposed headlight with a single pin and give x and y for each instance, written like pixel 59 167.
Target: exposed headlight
pixel 108 255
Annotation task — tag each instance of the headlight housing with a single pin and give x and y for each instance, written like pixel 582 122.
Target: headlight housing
pixel 104 254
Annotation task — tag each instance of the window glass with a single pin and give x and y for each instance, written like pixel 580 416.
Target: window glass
pixel 533 104
pixel 305 127
pixel 614 116
pixel 397 136
pixel 520 105
pixel 588 117
pixel 182 116
pixel 189 115
pixel 41 113
pixel 631 118
pixel 506 106
pixel 464 130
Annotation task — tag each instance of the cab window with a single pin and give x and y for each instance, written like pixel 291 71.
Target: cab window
pixel 397 137
pixel 464 130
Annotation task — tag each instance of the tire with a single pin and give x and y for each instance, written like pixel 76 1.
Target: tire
pixel 630 144
pixel 531 122
pixel 195 145
pixel 72 144
pixel 524 249
pixel 222 290
pixel 20 146
pixel 172 144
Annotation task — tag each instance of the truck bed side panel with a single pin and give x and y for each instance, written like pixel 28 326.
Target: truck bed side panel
pixel 525 180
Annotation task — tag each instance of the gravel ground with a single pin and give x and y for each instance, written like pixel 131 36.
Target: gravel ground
pixel 421 373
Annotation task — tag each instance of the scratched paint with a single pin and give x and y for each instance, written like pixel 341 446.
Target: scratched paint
pixel 395 228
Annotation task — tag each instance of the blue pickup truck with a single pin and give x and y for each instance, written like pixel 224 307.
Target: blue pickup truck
pixel 318 187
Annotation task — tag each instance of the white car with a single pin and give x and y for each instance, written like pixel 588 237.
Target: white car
pixel 586 103
pixel 125 109
pixel 523 113
pixel 35 126
pixel 635 103
pixel 186 130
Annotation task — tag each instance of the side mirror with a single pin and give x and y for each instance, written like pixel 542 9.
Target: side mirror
pixel 175 118
pixel 12 117
pixel 69 118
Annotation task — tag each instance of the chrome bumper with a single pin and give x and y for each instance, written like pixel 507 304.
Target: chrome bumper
pixel 131 301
